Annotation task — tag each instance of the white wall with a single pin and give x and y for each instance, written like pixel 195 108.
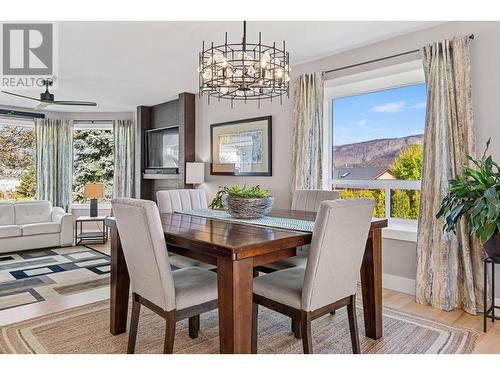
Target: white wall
pixel 485 61
pixel 399 256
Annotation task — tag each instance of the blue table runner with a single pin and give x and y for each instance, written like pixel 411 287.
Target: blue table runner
pixel 266 221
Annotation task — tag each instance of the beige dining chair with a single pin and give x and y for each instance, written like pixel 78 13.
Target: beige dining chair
pixel 174 295
pixel 176 200
pixel 329 280
pixel 302 200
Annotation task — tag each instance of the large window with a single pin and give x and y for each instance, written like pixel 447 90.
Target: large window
pixel 17 161
pixel 376 140
pixel 93 161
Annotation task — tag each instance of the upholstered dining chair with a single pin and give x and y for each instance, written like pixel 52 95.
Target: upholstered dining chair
pixel 329 280
pixel 174 295
pixel 302 200
pixel 170 201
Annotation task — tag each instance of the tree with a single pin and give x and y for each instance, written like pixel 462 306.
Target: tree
pixel 93 161
pixel 377 195
pixel 27 184
pixel 18 147
pixel 408 164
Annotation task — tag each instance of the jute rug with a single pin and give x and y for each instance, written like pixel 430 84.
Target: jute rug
pixel 86 330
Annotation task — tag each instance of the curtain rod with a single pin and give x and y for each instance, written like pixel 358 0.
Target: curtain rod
pixel 91 121
pixel 471 36
pixel 20 114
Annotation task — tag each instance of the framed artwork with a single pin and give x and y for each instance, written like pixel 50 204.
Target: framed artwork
pixel 242 148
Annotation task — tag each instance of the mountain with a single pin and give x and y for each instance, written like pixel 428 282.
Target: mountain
pixel 379 152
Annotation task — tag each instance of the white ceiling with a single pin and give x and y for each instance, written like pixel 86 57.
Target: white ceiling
pixel 124 64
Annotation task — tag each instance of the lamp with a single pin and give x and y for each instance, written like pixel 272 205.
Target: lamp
pixel 93 191
pixel 195 173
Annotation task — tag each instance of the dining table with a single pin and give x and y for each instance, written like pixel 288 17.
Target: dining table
pixel 238 249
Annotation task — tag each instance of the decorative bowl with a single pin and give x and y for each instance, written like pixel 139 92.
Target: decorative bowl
pixel 247 208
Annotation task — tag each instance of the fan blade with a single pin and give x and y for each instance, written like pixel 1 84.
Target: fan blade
pixel 42 105
pixel 21 96
pixel 69 102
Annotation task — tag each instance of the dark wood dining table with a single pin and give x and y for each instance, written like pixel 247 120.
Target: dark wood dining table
pixel 236 249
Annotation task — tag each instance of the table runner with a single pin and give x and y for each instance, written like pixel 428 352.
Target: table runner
pixel 266 221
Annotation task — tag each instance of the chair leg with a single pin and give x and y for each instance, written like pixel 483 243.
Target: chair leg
pixel 194 326
pixel 296 329
pixel 134 323
pixel 168 347
pixel 255 320
pixel 353 325
pixel 305 325
pixel 332 312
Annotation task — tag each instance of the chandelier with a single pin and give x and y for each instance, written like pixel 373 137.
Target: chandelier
pixel 244 71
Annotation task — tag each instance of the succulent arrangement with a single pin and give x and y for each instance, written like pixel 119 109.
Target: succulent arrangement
pixel 239 192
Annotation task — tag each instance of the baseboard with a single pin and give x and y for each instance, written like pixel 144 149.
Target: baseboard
pixel 398 283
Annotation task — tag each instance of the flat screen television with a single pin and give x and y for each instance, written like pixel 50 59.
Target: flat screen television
pixel 162 148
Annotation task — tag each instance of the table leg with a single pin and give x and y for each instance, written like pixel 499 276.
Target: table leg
pixel 371 284
pixel 120 286
pixel 235 288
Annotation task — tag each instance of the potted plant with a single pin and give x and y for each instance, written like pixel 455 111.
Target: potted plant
pixel 477 195
pixel 217 201
pixel 244 202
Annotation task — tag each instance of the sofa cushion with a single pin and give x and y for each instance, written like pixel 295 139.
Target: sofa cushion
pixel 6 214
pixel 10 231
pixel 40 228
pixel 33 212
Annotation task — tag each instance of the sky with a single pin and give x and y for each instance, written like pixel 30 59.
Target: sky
pixel 392 113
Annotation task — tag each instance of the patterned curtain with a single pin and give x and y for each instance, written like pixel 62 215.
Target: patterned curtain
pixel 308 132
pixel 54 161
pixel 124 133
pixel 449 273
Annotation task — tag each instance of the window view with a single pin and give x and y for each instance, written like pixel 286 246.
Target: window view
pixel 17 162
pixel 93 162
pixel 378 136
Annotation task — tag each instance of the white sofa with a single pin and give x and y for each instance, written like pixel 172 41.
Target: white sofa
pixel 33 225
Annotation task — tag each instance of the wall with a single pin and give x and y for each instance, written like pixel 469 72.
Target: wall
pixel 399 256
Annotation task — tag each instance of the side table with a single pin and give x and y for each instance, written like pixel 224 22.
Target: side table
pixel 489 312
pixel 91 237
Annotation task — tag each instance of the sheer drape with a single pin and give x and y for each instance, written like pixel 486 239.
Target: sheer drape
pixel 54 161
pixel 124 135
pixel 308 132
pixel 449 273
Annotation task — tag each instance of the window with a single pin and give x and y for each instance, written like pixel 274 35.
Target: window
pixel 17 160
pixel 93 154
pixel 375 138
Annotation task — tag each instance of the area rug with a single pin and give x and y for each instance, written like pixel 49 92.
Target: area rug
pixel 28 277
pixel 86 330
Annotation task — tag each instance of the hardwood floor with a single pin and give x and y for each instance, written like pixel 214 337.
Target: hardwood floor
pixel 487 343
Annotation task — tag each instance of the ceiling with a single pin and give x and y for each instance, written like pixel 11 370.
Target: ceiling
pixel 125 64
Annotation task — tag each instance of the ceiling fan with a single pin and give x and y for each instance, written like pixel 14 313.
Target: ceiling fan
pixel 46 98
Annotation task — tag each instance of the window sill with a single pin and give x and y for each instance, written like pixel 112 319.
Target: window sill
pixel 86 206
pixel 401 232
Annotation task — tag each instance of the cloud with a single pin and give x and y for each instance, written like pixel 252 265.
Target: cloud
pixel 419 105
pixel 389 107
pixel 361 122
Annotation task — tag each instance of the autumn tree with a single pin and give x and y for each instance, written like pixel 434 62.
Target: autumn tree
pixel 17 149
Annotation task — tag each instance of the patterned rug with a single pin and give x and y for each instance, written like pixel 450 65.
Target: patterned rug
pixel 86 330
pixel 28 277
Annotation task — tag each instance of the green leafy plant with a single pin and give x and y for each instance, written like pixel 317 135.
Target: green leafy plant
pixel 477 195
pixel 238 191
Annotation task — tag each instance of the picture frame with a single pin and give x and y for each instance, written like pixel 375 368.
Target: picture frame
pixel 242 147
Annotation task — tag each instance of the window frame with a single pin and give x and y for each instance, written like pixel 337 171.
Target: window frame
pixel 89 125
pixel 374 80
